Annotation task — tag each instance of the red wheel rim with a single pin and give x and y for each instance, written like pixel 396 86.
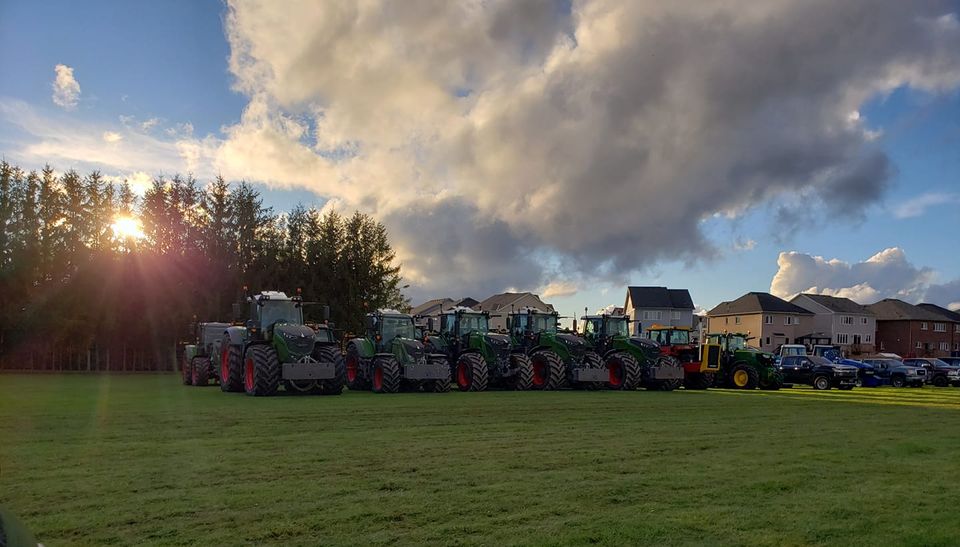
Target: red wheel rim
pixel 378 378
pixel 615 373
pixel 351 368
pixel 248 376
pixel 539 370
pixel 225 365
pixel 463 379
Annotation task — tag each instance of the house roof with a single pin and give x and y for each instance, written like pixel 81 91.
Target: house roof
pixel 835 304
pixel 504 300
pixel 947 314
pixel 468 302
pixel 660 297
pixel 442 302
pixel 891 309
pixel 757 302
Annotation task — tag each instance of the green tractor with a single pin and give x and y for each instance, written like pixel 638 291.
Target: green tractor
pixel 743 366
pixel 558 359
pixel 197 368
pixel 477 357
pixel 630 360
pixel 274 347
pixel 390 357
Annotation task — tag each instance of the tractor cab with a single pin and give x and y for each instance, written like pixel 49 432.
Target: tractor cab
pixel 385 326
pixel 673 341
pixel 597 328
pixel 271 308
pixel 528 324
pixel 744 366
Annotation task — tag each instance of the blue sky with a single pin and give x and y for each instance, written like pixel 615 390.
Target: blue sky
pixel 147 70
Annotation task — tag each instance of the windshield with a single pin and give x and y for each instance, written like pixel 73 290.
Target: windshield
pixel 543 323
pixel 736 342
pixel 617 326
pixel 473 321
pixel 283 311
pixel 397 325
pixel 817 360
pixel 940 363
pixel 670 337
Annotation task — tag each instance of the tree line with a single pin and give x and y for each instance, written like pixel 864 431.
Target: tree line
pixel 79 292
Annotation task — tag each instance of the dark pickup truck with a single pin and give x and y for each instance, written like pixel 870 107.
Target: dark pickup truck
pixel 813 370
pixel 939 373
pixel 895 373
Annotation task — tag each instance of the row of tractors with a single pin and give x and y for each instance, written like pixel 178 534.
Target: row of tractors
pixel 272 347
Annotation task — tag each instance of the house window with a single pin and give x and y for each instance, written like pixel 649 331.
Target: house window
pixel 919 345
pixel 923 326
pixel 791 320
pixel 675 315
pixel 956 347
pixel 843 338
pixel 726 320
pixel 768 340
pixel 867 338
pixel 651 315
pixel 736 320
pixel 944 346
pixel 767 319
pixel 939 327
pixel 958 327
pixel 863 320
pixel 846 320
pixel 881 346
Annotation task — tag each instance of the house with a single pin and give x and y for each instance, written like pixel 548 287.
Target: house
pixel 954 319
pixel 771 320
pixel 499 305
pixel 437 305
pixel 648 306
pixel 912 331
pixel 838 321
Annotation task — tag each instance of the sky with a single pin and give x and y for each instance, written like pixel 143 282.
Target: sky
pixel 567 148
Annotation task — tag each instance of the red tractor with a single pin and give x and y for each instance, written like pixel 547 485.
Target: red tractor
pixel 675 341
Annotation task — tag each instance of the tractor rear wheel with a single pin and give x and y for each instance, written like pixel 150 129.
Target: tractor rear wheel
pixel 386 374
pixel 261 371
pixel 623 371
pixel 201 371
pixel 744 377
pixel 231 368
pixel 548 373
pixel 438 386
pixel 523 379
pixel 471 372
pixel 333 386
pixel 698 381
pixel 186 371
pixel 354 370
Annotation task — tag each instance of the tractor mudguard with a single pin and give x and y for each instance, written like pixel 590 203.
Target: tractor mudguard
pixel 364 347
pixel 189 352
pixel 235 336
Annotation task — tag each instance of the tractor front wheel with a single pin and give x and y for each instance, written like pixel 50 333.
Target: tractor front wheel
pixel 471 372
pixel 201 371
pixel 386 374
pixel 333 386
pixel 231 373
pixel 261 371
pixel 523 379
pixel 356 380
pixel 774 383
pixel 186 371
pixel 744 377
pixel 548 373
pixel 623 371
pixel 698 381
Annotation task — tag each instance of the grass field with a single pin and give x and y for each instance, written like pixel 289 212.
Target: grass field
pixel 141 459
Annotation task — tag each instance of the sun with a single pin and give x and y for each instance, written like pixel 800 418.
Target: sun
pixel 125 227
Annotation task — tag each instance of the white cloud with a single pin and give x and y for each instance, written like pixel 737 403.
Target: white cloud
pixel 918 206
pixel 558 288
pixel 66 89
pixel 149 124
pixel 112 137
pixel 887 274
pixel 744 245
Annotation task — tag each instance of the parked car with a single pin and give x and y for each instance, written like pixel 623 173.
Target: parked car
pixel 954 361
pixel 896 373
pixel 939 373
pixel 818 372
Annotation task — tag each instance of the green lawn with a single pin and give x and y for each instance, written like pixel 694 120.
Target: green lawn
pixel 141 459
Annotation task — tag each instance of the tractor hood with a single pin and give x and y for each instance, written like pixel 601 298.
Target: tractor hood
pixel 649 347
pixel 571 340
pixel 298 339
pixel 413 348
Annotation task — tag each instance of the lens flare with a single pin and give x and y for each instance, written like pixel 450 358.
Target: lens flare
pixel 127 228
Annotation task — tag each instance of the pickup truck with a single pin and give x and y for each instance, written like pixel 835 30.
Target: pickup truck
pixel 894 372
pixel 939 373
pixel 866 375
pixel 789 350
pixel 818 372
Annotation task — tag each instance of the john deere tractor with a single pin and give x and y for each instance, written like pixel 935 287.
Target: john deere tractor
pixel 743 366
pixel 630 360
pixel 390 358
pixel 698 371
pixel 273 347
pixel 558 359
pixel 477 357
pixel 198 357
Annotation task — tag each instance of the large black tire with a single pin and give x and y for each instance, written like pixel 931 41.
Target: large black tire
pixel 898 381
pixel 333 386
pixel 548 370
pixel 356 378
pixel 186 371
pixel 471 372
pixel 201 371
pixel 821 382
pixel 775 383
pixel 386 374
pixel 523 379
pixel 438 386
pixel 261 371
pixel 940 381
pixel 698 381
pixel 623 371
pixel 231 368
pixel 744 377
